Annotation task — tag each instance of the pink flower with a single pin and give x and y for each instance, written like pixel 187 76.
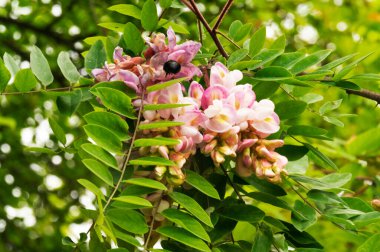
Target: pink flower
pixel 196 92
pixel 220 117
pixel 216 92
pixel 182 54
pixel 264 120
pixel 220 75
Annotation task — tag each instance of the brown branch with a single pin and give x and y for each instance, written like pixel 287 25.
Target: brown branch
pixel 225 9
pixel 193 7
pixel 366 94
pixel 232 183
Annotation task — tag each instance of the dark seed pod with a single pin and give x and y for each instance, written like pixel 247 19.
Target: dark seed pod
pixel 172 67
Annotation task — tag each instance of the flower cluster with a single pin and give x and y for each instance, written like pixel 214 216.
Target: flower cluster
pixel 221 119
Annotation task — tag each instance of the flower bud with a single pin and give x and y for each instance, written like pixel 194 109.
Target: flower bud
pixel 159 171
pixel 208 137
pixel 241 169
pixel 227 151
pixel 217 157
pixel 164 151
pixel 210 147
pixel 143 151
pixel 375 203
pixel 175 176
pixel 246 143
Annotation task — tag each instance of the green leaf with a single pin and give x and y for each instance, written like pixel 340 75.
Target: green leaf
pixel 263 239
pixel 163 85
pixel 67 67
pixel 287 60
pixel 366 219
pixel 200 183
pixel 100 154
pixel 325 197
pixel 99 170
pixel 187 222
pixel 347 85
pixel 265 89
pixel 11 64
pixel 257 41
pixel 136 190
pixel 96 56
pixel 178 28
pixel 58 131
pixel 243 32
pixel 265 56
pixel 165 3
pixel 145 182
pixel 310 60
pixel 110 121
pixel 298 166
pixel 308 131
pixel 371 244
pixel 132 38
pixel 127 238
pixel 134 200
pixel 92 40
pixel 67 241
pixel 192 206
pixel 321 156
pixel 317 75
pixel 163 106
pixel 92 188
pixel 159 124
pixel 149 18
pixel 265 186
pixel 337 62
pixel 345 70
pixel 293 152
pixel 303 216
pixel 103 137
pixel 68 103
pixel 366 143
pixel 279 43
pixel 237 56
pixel 25 80
pixel 116 101
pixel 273 73
pixel 40 66
pixel 183 236
pixel 249 64
pixel 127 9
pixel 117 27
pixel 368 77
pixel 310 98
pixel 333 120
pixel 147 161
pixel 129 220
pixel 234 28
pixel 290 109
pixel 157 141
pixel 117 85
pixel 269 199
pixel 5 76
pixel 240 212
pixel 331 181
pixel 40 150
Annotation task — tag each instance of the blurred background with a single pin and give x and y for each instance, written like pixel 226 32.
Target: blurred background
pixel 40 200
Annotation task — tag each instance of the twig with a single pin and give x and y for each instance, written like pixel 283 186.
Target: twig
pixel 225 9
pixel 193 7
pixel 226 37
pixel 232 183
pixel 200 31
pixel 154 212
pixel 366 94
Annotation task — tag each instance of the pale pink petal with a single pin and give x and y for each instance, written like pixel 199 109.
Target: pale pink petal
pixel 118 54
pixel 172 40
pixel 212 93
pixel 190 47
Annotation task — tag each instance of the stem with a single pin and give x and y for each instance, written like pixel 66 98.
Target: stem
pixel 46 90
pixel 232 183
pixel 225 9
pixel 226 37
pixel 154 212
pixel 193 7
pixel 200 31
pixel 366 94
pixel 126 160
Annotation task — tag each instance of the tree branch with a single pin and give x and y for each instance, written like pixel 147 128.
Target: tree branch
pixel 193 7
pixel 225 9
pixel 366 94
